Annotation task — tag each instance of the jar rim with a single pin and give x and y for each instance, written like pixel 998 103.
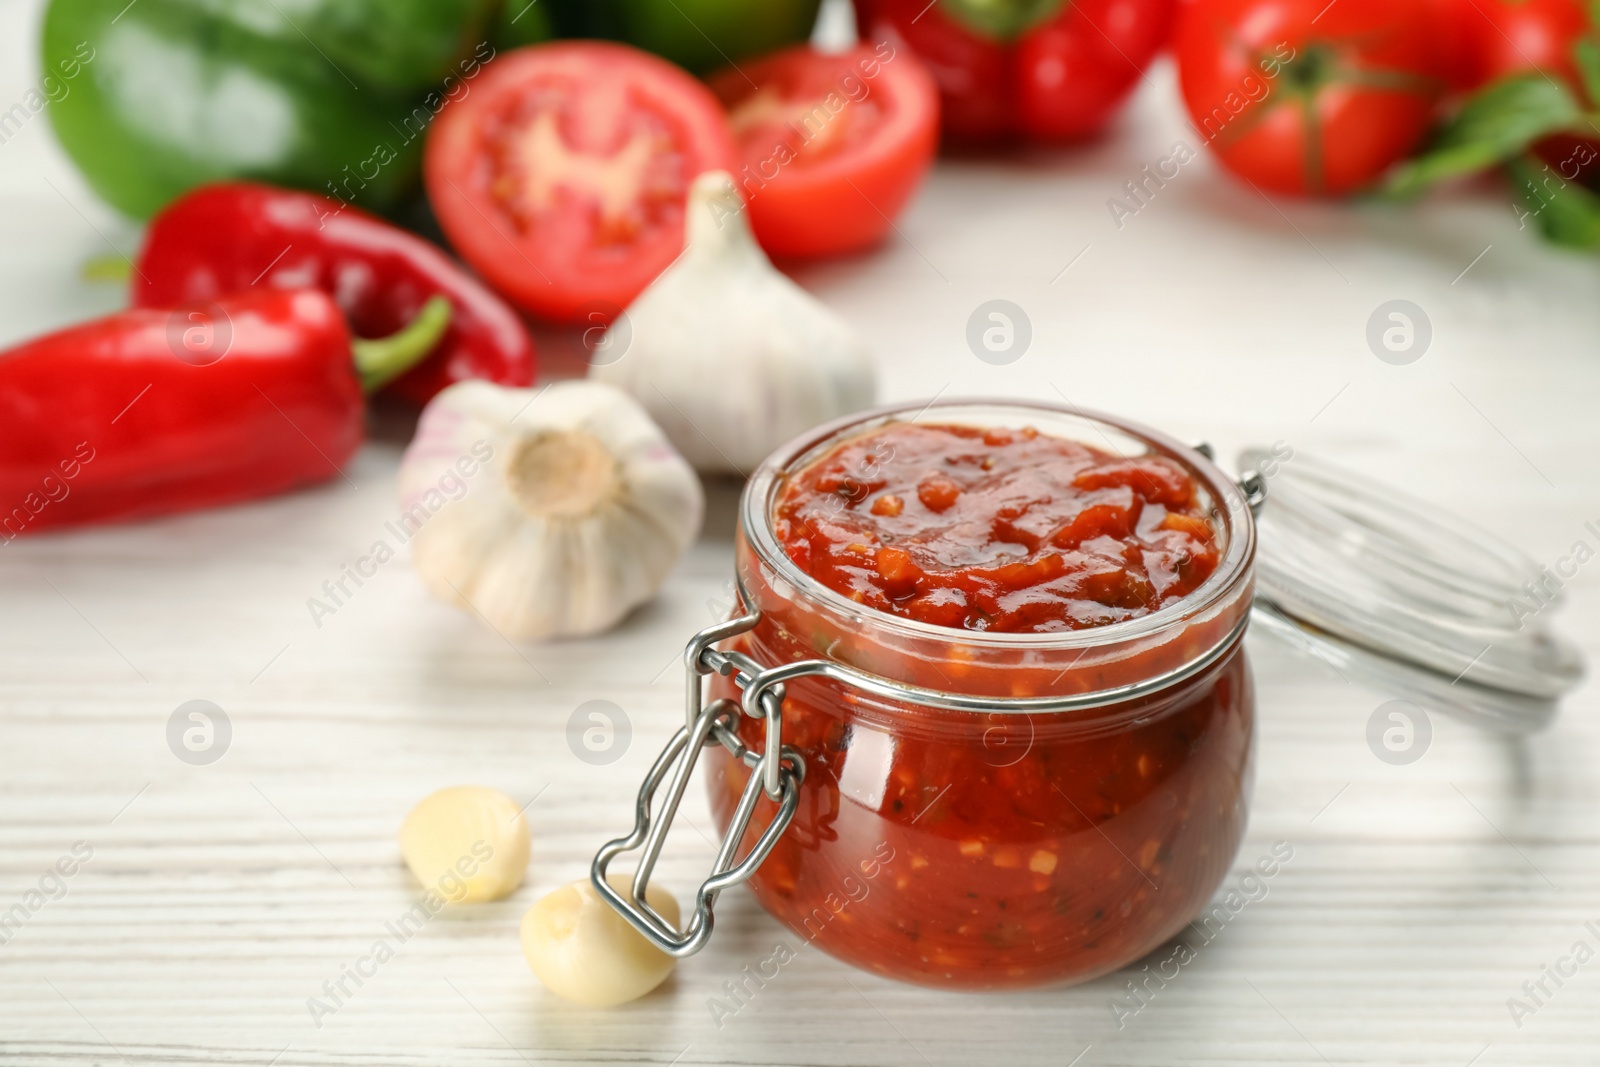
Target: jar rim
pixel 1228 500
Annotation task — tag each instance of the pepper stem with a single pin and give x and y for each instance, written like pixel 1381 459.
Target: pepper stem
pixel 380 360
pixel 107 269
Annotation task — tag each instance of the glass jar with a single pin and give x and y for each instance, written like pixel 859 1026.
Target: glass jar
pixel 1013 847
pixel 1002 810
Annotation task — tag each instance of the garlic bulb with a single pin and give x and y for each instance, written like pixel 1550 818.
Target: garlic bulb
pixel 728 355
pixel 548 512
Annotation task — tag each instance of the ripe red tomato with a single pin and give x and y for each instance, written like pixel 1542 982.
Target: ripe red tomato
pixel 1510 37
pixel 1457 45
pixel 833 144
pixel 1308 96
pixel 561 177
pixel 1061 76
pixel 1514 36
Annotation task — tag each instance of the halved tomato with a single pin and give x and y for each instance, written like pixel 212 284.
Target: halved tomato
pixel 832 144
pixel 562 176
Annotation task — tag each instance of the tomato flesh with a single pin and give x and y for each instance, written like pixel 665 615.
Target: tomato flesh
pixel 561 178
pixel 1011 531
pixel 1306 97
pixel 833 145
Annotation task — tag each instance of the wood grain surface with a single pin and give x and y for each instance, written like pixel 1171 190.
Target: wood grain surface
pixel 217 900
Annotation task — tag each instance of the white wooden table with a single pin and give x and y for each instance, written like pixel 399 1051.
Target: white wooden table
pixel 219 898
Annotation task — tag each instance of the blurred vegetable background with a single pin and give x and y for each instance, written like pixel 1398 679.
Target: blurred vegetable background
pixel 180 92
pixel 552 146
pixel 338 96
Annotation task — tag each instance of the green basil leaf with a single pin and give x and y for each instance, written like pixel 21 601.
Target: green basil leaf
pixel 1000 19
pixel 1586 54
pixel 1494 125
pixel 1566 212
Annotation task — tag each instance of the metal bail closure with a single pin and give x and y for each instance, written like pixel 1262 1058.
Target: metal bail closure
pixel 776 772
pixel 1411 598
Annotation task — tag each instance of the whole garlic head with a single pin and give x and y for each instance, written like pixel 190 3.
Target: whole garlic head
pixel 732 358
pixel 550 512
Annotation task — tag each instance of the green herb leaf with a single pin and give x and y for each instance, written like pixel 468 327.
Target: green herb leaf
pixel 1496 124
pixel 1566 212
pixel 1000 19
pixel 1586 55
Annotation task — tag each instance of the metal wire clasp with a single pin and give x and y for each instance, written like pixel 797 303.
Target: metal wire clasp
pixel 777 772
pixel 1252 483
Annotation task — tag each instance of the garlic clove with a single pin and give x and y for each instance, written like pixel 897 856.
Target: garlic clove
pixel 730 357
pixel 581 949
pixel 575 510
pixel 467 843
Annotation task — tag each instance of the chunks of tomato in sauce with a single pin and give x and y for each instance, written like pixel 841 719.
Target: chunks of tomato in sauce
pixel 993 529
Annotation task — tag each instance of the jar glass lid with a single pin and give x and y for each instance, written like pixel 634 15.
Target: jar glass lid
pixel 1415 599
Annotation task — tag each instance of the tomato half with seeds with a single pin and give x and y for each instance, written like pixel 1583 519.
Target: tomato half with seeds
pixel 832 144
pixel 1307 96
pixel 562 176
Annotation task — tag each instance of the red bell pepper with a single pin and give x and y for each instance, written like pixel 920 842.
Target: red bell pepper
pixel 1038 69
pixel 232 236
pixel 149 412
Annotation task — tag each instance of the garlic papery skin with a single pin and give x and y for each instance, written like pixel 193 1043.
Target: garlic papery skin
pixel 730 357
pixel 549 513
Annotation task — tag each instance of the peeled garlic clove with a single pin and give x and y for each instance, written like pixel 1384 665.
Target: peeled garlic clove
pixel 732 358
pixel 468 843
pixel 549 512
pixel 581 949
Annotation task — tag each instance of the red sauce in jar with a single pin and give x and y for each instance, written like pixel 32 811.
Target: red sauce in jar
pixel 1001 530
pixel 993 851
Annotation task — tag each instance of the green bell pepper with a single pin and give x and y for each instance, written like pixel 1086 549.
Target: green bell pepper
pixel 327 95
pixel 701 35
pixel 522 22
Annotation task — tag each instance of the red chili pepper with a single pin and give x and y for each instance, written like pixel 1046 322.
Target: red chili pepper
pixel 1039 69
pixel 149 412
pixel 232 236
